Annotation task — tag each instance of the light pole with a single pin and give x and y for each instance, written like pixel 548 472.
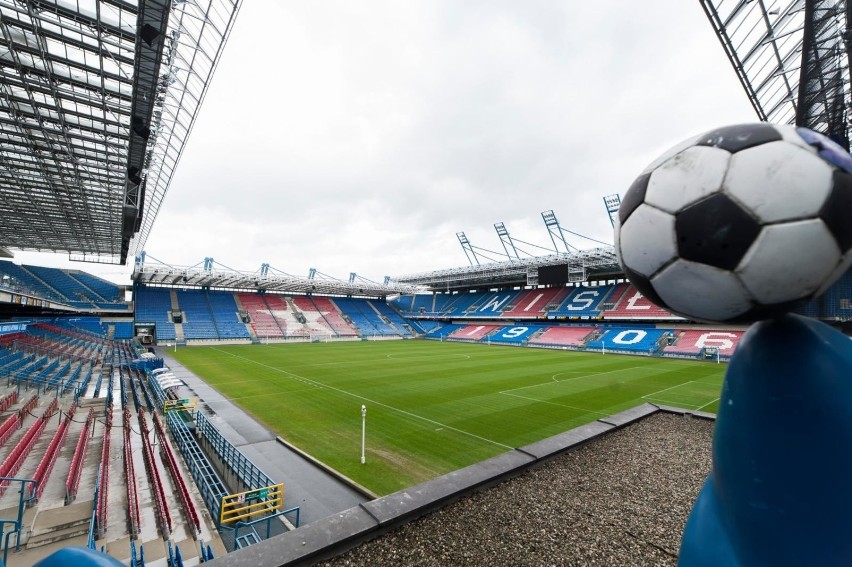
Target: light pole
pixel 363 431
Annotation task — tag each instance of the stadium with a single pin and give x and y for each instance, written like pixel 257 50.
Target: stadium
pixel 521 409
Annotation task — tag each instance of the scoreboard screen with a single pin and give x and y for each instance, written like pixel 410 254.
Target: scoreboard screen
pixel 553 275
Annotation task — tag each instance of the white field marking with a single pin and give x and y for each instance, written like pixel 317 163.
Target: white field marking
pixel 707 404
pixel 554 404
pixel 553 379
pixel 425 356
pixel 362 398
pixel 652 394
pixel 677 404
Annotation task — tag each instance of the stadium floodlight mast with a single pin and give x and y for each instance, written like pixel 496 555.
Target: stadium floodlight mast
pixel 363 431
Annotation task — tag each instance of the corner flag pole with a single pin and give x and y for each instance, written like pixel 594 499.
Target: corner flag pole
pixel 363 431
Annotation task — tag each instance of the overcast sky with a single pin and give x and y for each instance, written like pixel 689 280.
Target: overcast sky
pixel 362 136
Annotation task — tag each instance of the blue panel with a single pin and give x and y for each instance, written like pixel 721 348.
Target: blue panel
pixel 517 334
pixel 634 339
pixel 444 331
pixel 582 302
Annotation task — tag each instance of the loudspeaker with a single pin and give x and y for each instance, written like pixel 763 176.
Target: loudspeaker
pixel 149 34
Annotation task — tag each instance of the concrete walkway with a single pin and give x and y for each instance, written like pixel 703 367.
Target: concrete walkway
pixel 317 493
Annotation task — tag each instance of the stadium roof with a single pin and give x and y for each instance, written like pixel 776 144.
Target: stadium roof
pixel 597 263
pixel 213 275
pixel 97 99
pixel 792 58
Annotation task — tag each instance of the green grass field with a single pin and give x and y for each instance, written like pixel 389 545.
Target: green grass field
pixel 436 407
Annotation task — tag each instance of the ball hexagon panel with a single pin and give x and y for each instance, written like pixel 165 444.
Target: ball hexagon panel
pixel 702 292
pixel 647 240
pixel 689 176
pixel 740 136
pixel 789 261
pixel 791 134
pixel 715 231
pixel 836 209
pixel 644 286
pixel 779 181
pixel 671 152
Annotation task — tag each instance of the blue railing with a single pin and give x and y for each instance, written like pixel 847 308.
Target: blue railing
pixel 249 475
pixel 17 523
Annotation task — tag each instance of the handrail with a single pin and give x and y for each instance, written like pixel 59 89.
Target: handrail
pixel 19 521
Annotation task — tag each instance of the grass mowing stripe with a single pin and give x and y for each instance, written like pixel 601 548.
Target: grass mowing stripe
pixel 553 403
pixel 435 407
pixel 376 402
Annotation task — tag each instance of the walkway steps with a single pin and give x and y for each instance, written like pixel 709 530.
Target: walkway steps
pixel 60 523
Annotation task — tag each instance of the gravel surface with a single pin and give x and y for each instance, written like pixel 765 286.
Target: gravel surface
pixel 620 500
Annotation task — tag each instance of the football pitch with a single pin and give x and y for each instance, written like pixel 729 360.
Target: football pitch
pixel 435 407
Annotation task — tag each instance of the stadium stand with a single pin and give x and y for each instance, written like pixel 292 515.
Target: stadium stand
pixel 562 336
pixel 70 289
pixel 73 288
pixel 424 304
pixel 401 326
pixel 332 315
pixel 154 305
pixel 107 293
pixel 581 303
pixel 627 339
pixel 18 278
pixel 514 334
pixel 280 309
pixel 424 326
pixel 459 305
pixel 531 303
pixel 225 315
pixel 626 302
pixel 364 317
pixel 121 329
pixel 491 305
pixel 440 333
pixel 693 342
pixel 836 303
pixel 198 322
pixel 472 332
pixel 312 320
pixel 263 322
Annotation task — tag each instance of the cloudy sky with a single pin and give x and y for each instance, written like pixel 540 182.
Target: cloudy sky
pixel 362 136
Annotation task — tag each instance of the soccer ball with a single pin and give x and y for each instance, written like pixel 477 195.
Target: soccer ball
pixel 739 224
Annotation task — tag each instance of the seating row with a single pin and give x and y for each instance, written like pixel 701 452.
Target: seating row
pixel 615 302
pixel 71 287
pixel 614 338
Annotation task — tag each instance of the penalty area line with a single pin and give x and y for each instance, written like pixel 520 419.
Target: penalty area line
pixel 554 380
pixel 707 404
pixel 555 404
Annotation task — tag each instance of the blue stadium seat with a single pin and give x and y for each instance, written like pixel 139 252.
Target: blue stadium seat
pixel 364 316
pixel 154 305
pixel 514 334
pixel 631 339
pixel 491 304
pixel 582 302
pixel 198 319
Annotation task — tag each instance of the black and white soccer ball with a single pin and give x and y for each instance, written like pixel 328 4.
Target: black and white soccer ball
pixel 739 224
